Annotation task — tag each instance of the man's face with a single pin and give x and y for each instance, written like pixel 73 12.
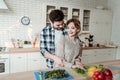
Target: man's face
pixel 58 24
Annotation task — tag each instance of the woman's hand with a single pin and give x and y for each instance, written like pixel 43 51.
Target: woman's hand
pixel 79 65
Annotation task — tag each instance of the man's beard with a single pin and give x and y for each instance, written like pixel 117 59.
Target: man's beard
pixel 57 28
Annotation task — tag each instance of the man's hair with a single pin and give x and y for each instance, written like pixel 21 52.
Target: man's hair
pixel 56 15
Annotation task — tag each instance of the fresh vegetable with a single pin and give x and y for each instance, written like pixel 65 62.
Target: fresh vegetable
pixel 98 76
pixel 91 71
pixel 78 70
pixel 102 74
pixel 108 74
pixel 55 74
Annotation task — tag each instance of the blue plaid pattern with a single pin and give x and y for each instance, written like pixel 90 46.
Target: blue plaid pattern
pixel 47 43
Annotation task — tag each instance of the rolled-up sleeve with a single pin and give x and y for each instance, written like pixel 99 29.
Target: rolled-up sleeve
pixel 42 43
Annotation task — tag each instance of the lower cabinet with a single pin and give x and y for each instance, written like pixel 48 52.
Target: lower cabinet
pixel 98 55
pixel 20 62
pixel 35 61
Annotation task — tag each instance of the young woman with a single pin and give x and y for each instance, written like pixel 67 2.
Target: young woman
pixel 69 49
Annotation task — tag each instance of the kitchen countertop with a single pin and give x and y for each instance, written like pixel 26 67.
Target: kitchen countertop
pixel 24 50
pixel 102 47
pixel 29 75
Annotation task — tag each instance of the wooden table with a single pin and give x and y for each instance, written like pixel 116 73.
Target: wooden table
pixel 29 75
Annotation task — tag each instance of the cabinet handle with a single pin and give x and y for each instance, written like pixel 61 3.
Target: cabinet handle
pixel 34 60
pixel 19 57
pixel 2 61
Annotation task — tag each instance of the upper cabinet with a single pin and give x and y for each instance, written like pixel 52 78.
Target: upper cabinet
pixel 48 10
pixel 93 21
pixel 75 13
pixel 70 12
pixel 86 21
pixel 65 11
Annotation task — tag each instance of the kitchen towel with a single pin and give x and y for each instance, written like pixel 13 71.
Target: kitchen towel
pixel 38 75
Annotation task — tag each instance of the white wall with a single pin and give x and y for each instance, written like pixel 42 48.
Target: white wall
pixel 115 6
pixel 10 26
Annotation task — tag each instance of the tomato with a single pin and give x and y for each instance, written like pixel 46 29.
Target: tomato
pixel 108 74
pixel 101 76
pixel 108 78
pixel 98 75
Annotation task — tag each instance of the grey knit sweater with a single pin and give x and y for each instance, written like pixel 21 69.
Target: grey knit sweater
pixel 68 50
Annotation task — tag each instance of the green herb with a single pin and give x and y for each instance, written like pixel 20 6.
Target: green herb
pixel 55 74
pixel 78 70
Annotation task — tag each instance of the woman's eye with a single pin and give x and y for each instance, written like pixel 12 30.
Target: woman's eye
pixel 72 27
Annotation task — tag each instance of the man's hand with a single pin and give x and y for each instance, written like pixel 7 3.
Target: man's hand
pixel 59 61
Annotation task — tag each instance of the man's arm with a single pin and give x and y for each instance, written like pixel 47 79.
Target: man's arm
pixel 45 53
pixel 42 43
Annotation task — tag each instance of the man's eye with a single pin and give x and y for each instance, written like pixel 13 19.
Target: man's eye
pixel 58 25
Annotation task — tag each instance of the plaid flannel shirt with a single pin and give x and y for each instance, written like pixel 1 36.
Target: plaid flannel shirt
pixel 47 43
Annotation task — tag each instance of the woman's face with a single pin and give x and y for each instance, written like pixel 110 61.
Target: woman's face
pixel 71 29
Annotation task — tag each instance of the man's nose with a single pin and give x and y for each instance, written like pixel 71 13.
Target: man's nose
pixel 61 26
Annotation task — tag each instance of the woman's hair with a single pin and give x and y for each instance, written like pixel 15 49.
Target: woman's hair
pixel 75 22
pixel 56 15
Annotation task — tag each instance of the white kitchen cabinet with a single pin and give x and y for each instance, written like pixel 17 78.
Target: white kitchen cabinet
pixel 86 21
pixel 75 13
pixel 35 61
pixel 18 62
pixel 101 25
pixel 49 8
pixel 93 21
pixel 98 55
pixel 21 62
